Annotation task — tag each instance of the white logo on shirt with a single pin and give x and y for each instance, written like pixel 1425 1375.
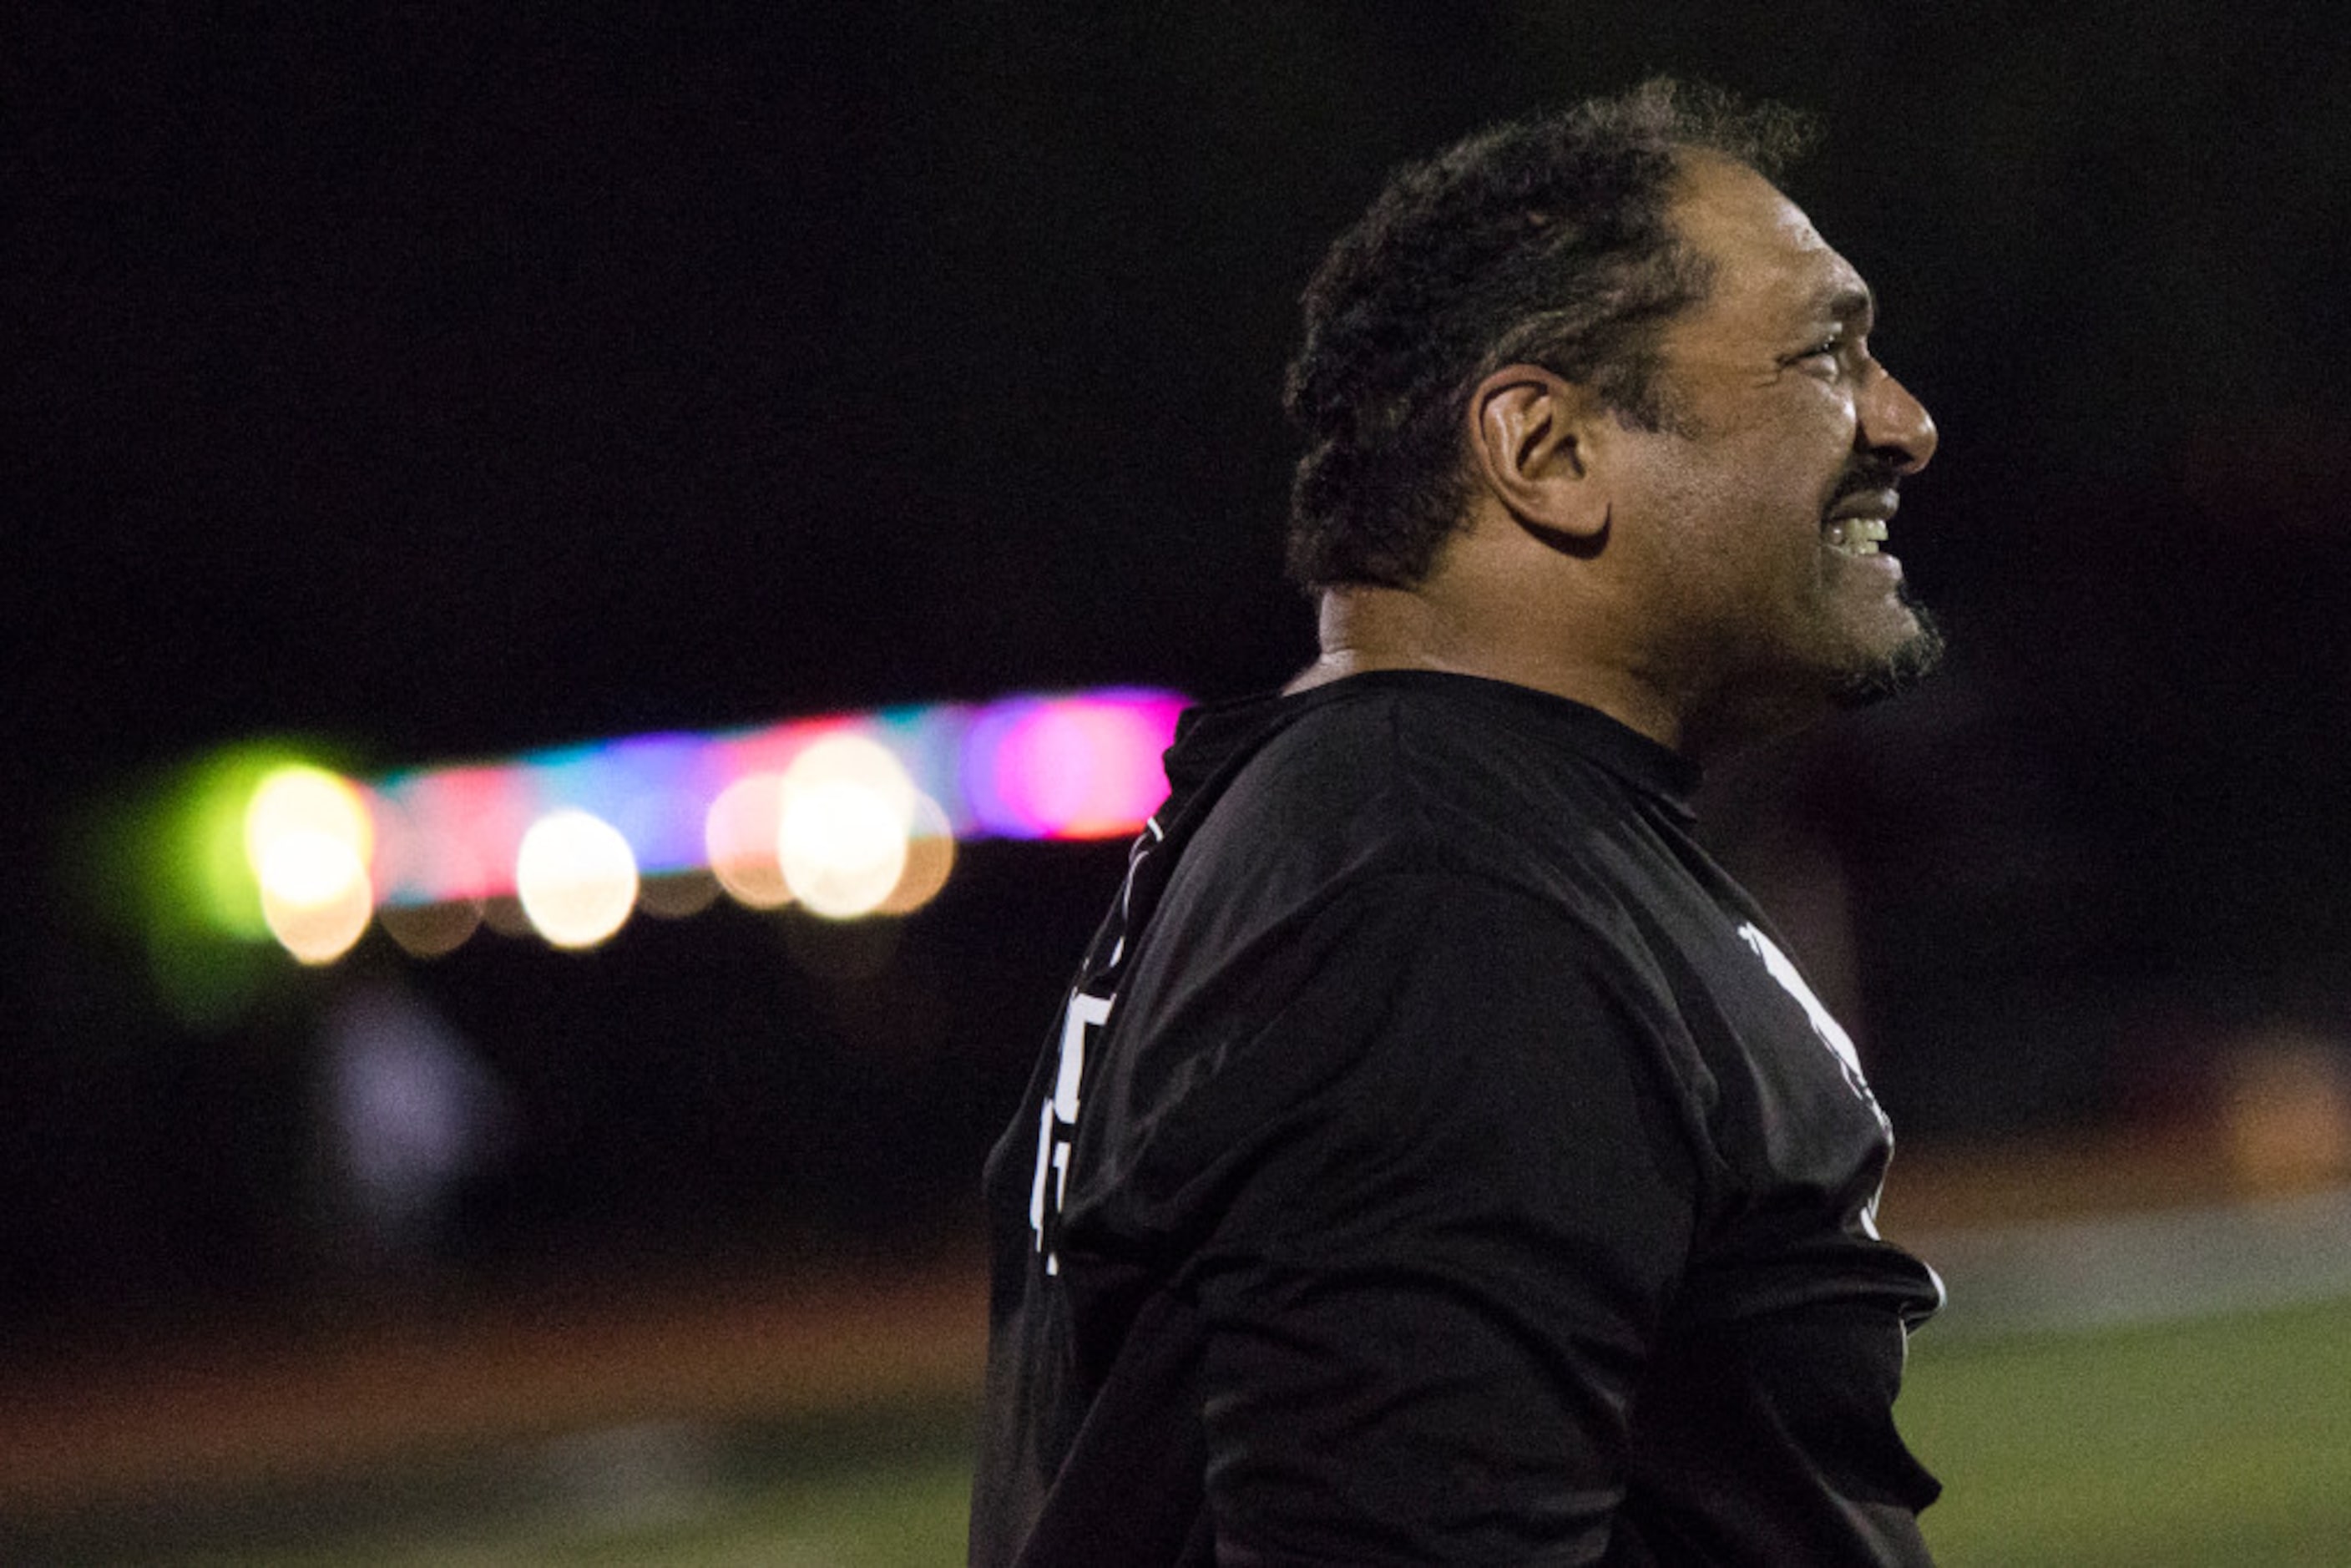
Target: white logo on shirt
pixel 1824 1024
pixel 1057 1121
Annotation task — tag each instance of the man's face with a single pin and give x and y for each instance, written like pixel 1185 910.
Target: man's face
pixel 1757 516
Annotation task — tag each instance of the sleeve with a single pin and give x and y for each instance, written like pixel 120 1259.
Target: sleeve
pixel 1444 1186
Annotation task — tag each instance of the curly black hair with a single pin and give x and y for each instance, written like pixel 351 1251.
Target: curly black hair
pixel 1543 241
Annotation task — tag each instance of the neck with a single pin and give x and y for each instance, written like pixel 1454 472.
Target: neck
pixel 1365 628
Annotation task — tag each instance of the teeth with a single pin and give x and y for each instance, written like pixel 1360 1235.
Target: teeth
pixel 1857 536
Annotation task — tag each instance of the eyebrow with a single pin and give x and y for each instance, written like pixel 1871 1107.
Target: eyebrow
pixel 1849 304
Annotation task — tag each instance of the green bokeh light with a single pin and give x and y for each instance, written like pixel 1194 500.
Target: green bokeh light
pixel 204 863
pixel 174 862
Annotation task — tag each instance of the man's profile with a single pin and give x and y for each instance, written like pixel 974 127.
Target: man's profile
pixel 1438 1158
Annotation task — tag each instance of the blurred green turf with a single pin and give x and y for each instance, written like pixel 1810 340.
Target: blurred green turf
pixel 2222 1441
pixel 905 1516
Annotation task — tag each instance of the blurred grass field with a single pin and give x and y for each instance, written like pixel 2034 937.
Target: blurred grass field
pixel 2223 1440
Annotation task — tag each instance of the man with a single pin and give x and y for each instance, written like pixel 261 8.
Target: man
pixel 1438 1159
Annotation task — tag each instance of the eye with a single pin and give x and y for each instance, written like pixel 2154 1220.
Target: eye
pixel 1828 359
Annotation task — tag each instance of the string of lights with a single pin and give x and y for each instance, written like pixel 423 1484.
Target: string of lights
pixel 847 816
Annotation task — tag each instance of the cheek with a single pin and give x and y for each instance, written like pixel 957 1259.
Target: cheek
pixel 1738 518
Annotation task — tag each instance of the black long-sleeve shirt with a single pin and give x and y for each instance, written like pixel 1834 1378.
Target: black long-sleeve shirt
pixel 1438 1161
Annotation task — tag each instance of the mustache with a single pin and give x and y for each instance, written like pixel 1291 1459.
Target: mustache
pixel 1867 476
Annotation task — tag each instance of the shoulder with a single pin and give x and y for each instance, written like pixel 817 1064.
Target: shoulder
pixel 1422 775
pixel 1435 848
pixel 1414 1034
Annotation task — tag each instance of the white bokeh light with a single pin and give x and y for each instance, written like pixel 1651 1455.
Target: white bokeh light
pixel 739 838
pixel 295 800
pixel 576 877
pixel 847 810
pixel 308 838
pixel 930 856
pixel 315 894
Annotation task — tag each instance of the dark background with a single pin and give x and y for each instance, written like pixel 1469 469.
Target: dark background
pixel 434 382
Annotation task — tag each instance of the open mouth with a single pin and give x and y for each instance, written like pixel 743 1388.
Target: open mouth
pixel 1856 536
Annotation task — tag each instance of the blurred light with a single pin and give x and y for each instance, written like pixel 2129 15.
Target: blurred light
pixel 673 895
pixel 930 856
pixel 256 842
pixel 740 837
pixel 1078 765
pixel 307 838
pixel 419 866
pixel 653 788
pixel 848 806
pixel 169 863
pixel 929 742
pixel 431 930
pixel 505 916
pixel 295 800
pixel 1069 768
pixel 577 878
pixel 2285 1106
pixel 315 895
pixel 203 842
pixel 470 822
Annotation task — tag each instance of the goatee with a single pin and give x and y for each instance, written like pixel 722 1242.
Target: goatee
pixel 1911 661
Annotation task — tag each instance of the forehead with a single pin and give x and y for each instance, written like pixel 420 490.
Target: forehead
pixel 1771 267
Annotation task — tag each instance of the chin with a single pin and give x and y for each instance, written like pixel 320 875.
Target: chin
pixel 1897 667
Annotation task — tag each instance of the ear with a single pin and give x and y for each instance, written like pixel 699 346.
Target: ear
pixel 1534 438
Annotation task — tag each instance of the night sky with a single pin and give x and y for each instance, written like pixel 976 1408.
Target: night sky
pixel 432 382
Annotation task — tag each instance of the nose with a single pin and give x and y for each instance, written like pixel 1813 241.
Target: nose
pixel 1893 425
